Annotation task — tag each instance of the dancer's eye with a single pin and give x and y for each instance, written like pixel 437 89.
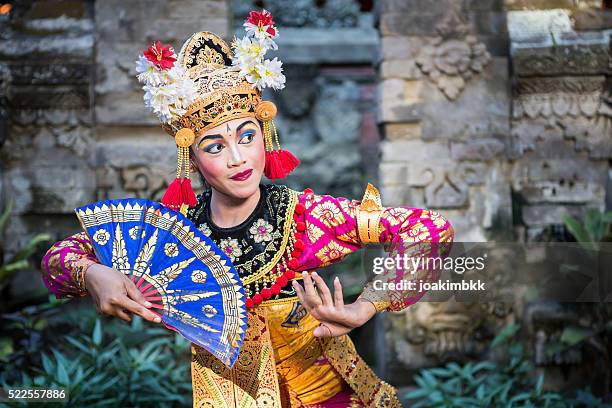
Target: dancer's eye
pixel 247 137
pixel 213 148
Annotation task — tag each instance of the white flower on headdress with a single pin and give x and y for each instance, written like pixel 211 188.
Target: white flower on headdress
pixel 168 89
pixel 147 72
pixel 268 73
pixel 248 51
pixel 271 73
pixel 185 89
pixel 159 100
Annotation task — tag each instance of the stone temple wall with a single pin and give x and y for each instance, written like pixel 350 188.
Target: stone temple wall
pixel 499 115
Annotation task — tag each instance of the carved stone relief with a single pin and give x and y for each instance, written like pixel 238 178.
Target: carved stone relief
pixel 453 57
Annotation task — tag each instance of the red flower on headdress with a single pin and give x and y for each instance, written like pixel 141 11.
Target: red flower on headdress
pixel 262 19
pixel 163 56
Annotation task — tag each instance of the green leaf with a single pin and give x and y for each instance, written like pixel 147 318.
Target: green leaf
pixel 480 392
pixel 573 335
pixel 62 374
pixel 441 372
pixel 47 364
pixel 505 334
pixel 539 384
pixel 576 229
pixel 418 393
pixel 97 333
pixel 6 214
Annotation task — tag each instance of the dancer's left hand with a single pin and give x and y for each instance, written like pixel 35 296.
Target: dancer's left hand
pixel 335 317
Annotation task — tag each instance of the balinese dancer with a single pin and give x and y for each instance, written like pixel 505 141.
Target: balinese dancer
pixel 296 352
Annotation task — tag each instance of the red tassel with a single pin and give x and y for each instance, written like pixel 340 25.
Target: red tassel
pixel 288 160
pixel 189 196
pixel 172 197
pixel 274 168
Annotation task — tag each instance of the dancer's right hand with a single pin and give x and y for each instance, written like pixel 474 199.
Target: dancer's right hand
pixel 116 295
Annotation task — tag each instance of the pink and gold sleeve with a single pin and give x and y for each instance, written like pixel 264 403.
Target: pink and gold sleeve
pixel 335 227
pixel 65 263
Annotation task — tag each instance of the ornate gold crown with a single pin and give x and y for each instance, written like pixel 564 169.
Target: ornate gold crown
pixel 222 93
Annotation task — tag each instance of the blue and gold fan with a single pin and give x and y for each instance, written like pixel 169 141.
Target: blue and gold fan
pixel 175 266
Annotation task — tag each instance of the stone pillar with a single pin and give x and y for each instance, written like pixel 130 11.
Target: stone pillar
pixel 561 150
pixel 47 155
pixel 561 118
pixel 444 109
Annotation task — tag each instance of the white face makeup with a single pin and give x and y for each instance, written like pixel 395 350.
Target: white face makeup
pixel 231 156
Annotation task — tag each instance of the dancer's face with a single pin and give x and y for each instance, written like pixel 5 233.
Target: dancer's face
pixel 224 153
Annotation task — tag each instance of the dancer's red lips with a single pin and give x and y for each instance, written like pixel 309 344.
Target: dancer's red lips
pixel 242 175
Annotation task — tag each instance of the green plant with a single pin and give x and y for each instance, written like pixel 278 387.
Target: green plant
pixel 19 260
pixel 595 227
pixel 110 364
pixel 505 383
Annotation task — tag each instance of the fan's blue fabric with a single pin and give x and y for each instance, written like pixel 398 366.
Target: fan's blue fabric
pixel 200 290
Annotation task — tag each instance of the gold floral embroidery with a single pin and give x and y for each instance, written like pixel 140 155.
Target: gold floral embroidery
pixel 350 236
pixel 437 219
pixel 328 213
pixel 69 258
pixel 63 244
pixel 332 251
pixel 314 232
pixel 252 265
pixel 54 262
pixel 418 232
pixel 348 206
pixel 397 215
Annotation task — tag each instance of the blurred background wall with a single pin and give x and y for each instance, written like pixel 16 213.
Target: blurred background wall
pixel 497 113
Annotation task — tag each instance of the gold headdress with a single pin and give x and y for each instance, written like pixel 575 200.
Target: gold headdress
pixel 210 84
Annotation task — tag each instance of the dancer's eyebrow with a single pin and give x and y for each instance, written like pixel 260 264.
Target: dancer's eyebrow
pixel 207 137
pixel 243 124
pixel 217 136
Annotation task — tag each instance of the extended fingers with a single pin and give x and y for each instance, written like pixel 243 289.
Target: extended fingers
pixel 299 290
pixel 323 289
pixel 136 308
pixel 310 293
pixel 338 296
pixel 139 303
pixel 135 294
pixel 123 315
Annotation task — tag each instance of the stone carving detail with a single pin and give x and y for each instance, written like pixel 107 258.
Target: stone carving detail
pixel 453 58
pixel 575 108
pixel 577 60
pixel 145 182
pixel 456 326
pixel 446 191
